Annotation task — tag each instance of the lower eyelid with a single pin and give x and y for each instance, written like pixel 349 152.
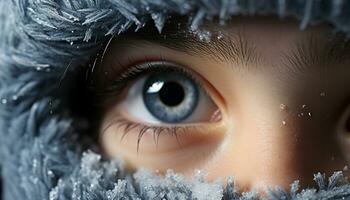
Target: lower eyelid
pixel 126 134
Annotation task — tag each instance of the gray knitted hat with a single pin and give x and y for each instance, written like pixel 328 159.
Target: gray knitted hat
pixel 44 150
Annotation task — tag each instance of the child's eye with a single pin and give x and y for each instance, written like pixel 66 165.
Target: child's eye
pixel 169 96
pixel 160 110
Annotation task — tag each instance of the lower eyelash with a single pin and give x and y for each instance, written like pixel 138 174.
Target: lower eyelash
pixel 126 126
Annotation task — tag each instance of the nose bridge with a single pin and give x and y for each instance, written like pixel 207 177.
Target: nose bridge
pixel 277 153
pixel 275 150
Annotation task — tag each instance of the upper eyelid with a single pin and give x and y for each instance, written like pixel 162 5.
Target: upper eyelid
pixel 199 78
pixel 136 68
pixel 144 67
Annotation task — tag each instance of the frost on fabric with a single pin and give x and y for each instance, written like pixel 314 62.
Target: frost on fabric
pixel 98 179
pixel 157 187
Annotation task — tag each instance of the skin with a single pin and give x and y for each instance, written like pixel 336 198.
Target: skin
pixel 278 123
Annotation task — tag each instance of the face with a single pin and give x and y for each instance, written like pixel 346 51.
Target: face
pixel 261 101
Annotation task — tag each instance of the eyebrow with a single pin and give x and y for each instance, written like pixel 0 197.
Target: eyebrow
pixel 235 49
pixel 313 51
pixel 309 51
pixel 220 47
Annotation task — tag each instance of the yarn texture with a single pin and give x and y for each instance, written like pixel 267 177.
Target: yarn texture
pixel 44 152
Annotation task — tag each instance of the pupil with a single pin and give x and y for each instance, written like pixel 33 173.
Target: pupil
pixel 171 94
pixel 170 97
pixel 347 125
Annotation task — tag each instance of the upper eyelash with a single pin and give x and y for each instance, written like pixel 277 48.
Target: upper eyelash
pixel 128 126
pixel 156 66
pixel 144 68
pixel 120 82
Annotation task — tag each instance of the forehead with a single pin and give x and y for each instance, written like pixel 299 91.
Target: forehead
pixel 271 31
pixel 275 39
pixel 258 29
pixel 268 27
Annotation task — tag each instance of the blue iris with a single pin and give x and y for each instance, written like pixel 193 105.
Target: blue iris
pixel 170 97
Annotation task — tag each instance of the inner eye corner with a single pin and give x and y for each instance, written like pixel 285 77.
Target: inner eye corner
pixel 344 126
pixel 347 124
